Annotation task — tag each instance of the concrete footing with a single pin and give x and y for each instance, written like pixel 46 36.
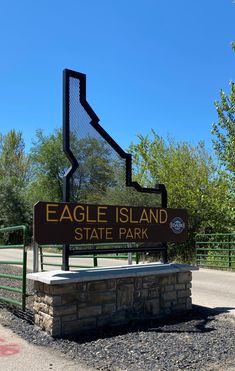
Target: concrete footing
pixel 68 303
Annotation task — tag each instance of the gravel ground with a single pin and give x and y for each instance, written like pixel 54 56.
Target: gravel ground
pixel 204 339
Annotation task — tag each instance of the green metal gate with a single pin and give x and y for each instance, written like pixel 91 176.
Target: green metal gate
pixel 216 250
pixel 14 277
pixel 45 257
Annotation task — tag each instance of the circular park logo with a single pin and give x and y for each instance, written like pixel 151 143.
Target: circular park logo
pixel 177 225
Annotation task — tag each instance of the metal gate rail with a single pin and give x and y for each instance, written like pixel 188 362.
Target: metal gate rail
pixel 43 255
pixel 216 250
pixel 23 263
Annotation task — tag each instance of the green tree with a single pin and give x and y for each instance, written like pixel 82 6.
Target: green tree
pixel 191 180
pixel 14 163
pixel 90 181
pixel 224 129
pixel 120 194
pixel 49 165
pixel 96 171
pixel 14 176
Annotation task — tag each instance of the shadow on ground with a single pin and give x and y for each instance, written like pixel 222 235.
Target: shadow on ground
pixel 196 321
pixel 199 320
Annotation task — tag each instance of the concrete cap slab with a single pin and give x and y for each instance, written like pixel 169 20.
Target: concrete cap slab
pixel 59 277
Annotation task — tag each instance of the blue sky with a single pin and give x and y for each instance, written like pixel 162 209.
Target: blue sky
pixel 149 64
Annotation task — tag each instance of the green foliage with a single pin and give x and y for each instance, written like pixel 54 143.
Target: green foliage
pixel 48 166
pixel 218 258
pixel 100 177
pixel 191 180
pixel 96 171
pixel 188 172
pixel 224 129
pixel 14 208
pixel 14 175
pixel 13 161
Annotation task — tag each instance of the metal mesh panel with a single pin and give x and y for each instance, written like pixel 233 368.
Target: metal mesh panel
pixel 100 171
pixel 101 175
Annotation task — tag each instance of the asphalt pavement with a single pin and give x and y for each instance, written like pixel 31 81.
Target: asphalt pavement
pixel 214 289
pixel 16 255
pixel 17 354
pixel 210 288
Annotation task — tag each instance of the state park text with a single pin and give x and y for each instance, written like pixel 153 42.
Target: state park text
pixel 73 223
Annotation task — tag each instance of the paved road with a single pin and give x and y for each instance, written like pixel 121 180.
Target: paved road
pixel 211 288
pixel 214 289
pixel 16 255
pixel 17 354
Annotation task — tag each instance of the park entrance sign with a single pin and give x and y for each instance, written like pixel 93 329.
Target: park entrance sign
pixel 75 223
pixel 99 178
pixel 105 212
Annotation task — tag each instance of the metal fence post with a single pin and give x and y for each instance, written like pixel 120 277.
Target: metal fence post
pixel 95 259
pixel 25 242
pixel 24 278
pixel 35 257
pixel 129 245
pixel 41 258
pixel 229 252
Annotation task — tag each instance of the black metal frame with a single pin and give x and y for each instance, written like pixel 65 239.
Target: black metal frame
pixel 160 188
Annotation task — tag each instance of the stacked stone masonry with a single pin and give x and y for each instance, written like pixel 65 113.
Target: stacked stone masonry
pixel 66 309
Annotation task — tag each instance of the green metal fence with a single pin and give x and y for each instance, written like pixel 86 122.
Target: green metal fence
pixel 22 263
pixel 45 258
pixel 216 250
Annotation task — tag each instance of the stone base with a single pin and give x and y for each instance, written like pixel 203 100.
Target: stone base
pixel 68 303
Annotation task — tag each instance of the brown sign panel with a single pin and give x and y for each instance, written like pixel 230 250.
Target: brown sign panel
pixel 73 223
